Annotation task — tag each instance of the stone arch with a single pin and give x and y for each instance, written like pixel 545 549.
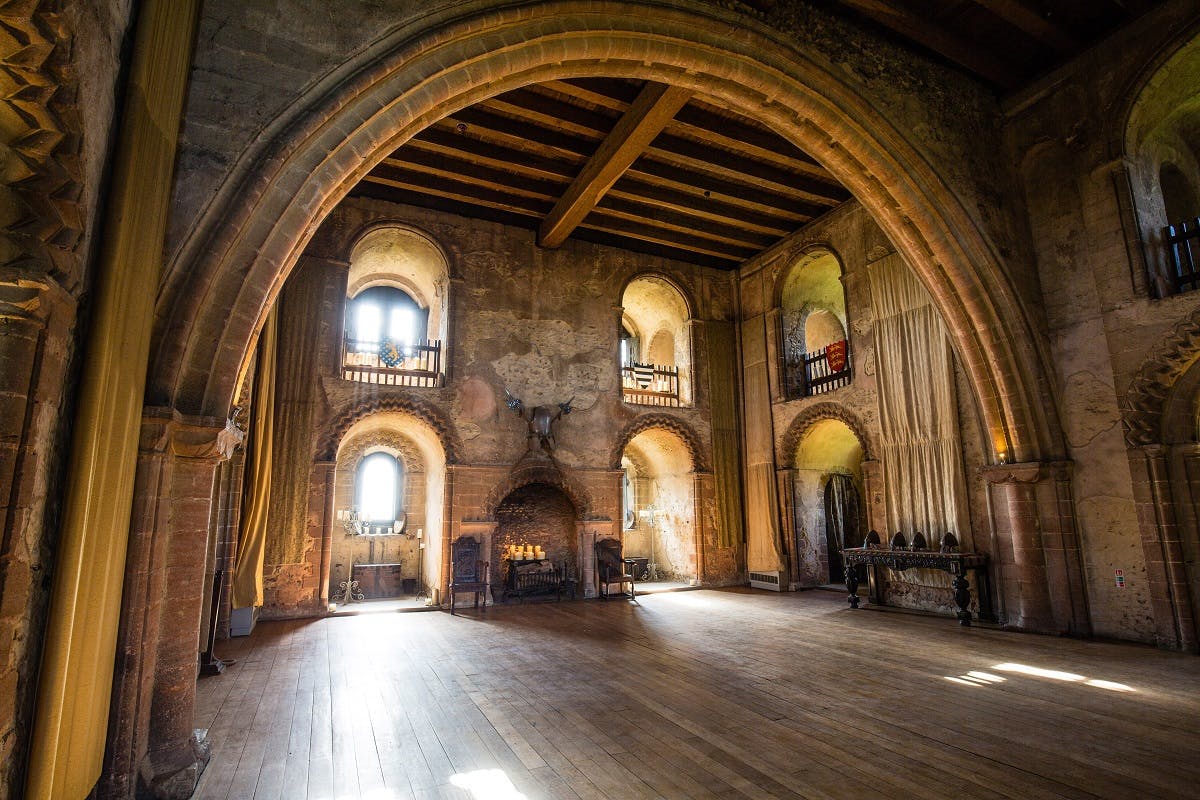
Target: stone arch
pixel 664 422
pixel 1146 399
pixel 223 279
pixel 785 266
pixel 667 277
pixel 814 414
pixel 327 448
pixel 537 471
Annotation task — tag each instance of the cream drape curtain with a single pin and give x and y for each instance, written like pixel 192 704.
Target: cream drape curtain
pixel 247 588
pixel 922 456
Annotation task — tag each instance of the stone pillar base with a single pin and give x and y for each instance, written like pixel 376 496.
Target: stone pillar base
pixel 172 773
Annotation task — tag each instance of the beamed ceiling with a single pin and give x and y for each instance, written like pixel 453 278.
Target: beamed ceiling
pixel 653 169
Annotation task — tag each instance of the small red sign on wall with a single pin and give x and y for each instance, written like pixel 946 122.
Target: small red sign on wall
pixel 1120 575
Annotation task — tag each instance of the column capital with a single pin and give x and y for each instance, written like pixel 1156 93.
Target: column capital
pixel 1027 472
pixel 165 430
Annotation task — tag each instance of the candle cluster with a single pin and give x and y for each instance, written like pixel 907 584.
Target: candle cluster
pixel 527 552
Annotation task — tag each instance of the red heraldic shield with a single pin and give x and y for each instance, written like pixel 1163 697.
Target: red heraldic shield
pixel 835 355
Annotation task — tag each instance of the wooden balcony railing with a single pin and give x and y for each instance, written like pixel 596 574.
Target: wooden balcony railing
pixel 1183 247
pixel 825 370
pixel 650 385
pixel 391 364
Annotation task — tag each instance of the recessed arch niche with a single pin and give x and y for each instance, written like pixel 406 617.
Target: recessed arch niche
pixel 418 449
pixel 662 504
pixel 827 499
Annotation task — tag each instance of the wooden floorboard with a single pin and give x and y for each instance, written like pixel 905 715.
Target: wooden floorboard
pixel 712 695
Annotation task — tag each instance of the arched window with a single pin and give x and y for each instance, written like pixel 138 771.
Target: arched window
pixel 379 489
pixel 385 314
pixel 813 329
pixel 655 346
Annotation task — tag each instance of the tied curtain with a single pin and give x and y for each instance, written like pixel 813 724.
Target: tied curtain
pixel 252 541
pixel 921 453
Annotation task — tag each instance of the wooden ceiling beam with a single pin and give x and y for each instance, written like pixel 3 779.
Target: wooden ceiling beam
pixel 752 196
pixel 650 233
pixel 917 29
pixel 703 209
pixel 640 212
pixel 416 183
pixel 474 174
pixel 653 109
pixel 737 169
pixel 1018 14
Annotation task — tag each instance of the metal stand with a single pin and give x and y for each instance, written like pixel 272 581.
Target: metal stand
pixel 349 588
pixel 209 663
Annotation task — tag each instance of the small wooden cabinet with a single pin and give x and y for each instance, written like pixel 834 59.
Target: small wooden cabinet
pixel 378 580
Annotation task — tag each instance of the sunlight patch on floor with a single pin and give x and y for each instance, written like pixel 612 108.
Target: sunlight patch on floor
pixel 487 784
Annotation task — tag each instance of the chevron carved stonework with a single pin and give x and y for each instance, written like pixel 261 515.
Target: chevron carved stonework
pixel 1144 402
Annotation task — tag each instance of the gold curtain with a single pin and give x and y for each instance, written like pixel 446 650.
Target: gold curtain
pixel 252 542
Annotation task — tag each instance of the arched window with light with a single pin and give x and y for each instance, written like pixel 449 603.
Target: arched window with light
pixel 379 490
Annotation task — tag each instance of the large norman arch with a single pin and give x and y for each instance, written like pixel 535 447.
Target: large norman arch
pixel 227 273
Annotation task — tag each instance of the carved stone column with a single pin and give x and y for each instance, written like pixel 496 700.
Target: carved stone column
pixel 1174 617
pixel 1037 558
pixel 180 523
pixel 775 355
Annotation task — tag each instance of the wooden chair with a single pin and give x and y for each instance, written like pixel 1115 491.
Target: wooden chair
pixel 467 572
pixel 612 568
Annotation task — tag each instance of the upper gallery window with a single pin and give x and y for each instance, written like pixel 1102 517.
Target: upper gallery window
pixel 816 348
pixel 396 312
pixel 655 349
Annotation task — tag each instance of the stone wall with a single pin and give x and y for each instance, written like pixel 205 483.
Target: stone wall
pixel 543 324
pixel 1067 134
pixel 857 242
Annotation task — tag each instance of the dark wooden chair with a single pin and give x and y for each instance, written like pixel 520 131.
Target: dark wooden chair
pixel 612 568
pixel 467 572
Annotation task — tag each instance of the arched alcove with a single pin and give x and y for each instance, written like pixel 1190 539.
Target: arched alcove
pixel 406 259
pixel 812 304
pixel 827 499
pixel 663 529
pixel 657 359
pixel 418 449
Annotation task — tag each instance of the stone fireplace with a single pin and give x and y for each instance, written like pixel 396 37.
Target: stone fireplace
pixel 539 514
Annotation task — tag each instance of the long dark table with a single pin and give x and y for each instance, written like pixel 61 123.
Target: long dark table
pixel 957 564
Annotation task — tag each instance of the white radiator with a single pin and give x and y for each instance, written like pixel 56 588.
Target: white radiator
pixel 772 581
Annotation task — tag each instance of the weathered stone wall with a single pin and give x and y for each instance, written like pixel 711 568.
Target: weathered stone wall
pixel 851 235
pixel 1066 134
pixel 543 324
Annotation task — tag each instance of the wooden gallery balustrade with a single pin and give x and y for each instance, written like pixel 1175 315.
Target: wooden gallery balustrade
pixel 391 364
pixel 650 385
pixel 823 370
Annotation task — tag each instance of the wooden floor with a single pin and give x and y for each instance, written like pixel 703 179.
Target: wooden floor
pixel 704 694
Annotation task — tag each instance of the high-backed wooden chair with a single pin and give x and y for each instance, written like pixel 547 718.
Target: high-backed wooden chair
pixel 467 572
pixel 612 568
